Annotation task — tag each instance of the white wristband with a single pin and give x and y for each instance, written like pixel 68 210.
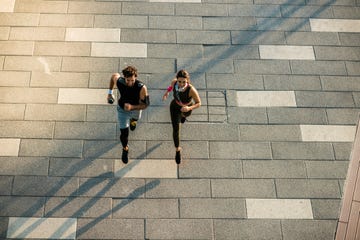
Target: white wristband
pixel 110 91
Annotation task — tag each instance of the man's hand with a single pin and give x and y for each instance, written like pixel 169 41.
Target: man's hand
pixel 110 99
pixel 128 107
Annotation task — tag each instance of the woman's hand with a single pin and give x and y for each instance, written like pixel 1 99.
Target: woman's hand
pixel 185 109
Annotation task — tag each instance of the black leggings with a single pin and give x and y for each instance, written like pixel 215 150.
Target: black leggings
pixel 176 116
pixel 124 136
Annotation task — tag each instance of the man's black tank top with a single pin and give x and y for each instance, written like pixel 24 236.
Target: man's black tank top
pixel 129 94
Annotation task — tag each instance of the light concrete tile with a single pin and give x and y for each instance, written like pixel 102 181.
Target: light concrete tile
pixel 19 19
pixel 4 33
pixel 12 111
pixel 59 79
pixel 37 33
pixel 146 169
pixel 66 20
pixel 279 208
pixel 327 133
pixel 16 47
pixel 48 228
pixel 266 99
pixel 93 34
pixel 30 63
pixel 55 112
pixel 119 50
pixel 9 146
pixel 335 25
pixel 14 79
pixel 62 49
pixel 41 6
pixel 286 52
pixel 7 5
pixel 82 96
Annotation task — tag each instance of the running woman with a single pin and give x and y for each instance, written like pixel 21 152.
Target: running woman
pixel 186 98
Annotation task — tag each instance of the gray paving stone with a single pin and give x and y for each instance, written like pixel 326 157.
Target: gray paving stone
pixel 87 64
pixel 308 229
pixel 113 187
pixel 61 49
pixel 17 48
pixel 233 51
pixel 174 50
pixel 37 33
pixel 262 66
pixel 150 65
pixel 179 229
pixel 78 130
pixel 59 79
pixel 3 226
pixel 144 8
pixel 4 33
pixel 349 39
pixel 326 208
pixel 212 208
pixel 243 188
pixel 291 82
pixel 312 38
pixel 247 229
pixel 324 99
pixel 257 10
pixel 24 129
pixel 239 150
pixel 247 115
pixel 229 23
pixel 12 111
pixel 313 11
pixel 203 9
pixel 24 166
pixel 53 112
pixel 210 132
pixel 211 169
pixel 5 184
pixel 318 67
pixel 342 116
pixel 50 148
pixel 337 53
pixel 302 150
pixel 120 21
pixel 326 169
pixel 12 206
pixel 205 64
pixel 342 150
pixel 180 188
pixel 347 11
pixel 332 83
pixel 257 37
pixel 77 207
pixel 44 186
pixel 202 37
pixel 175 22
pixel 79 167
pixel 165 149
pixel 307 188
pixel 282 24
pixel 269 133
pixel 297 115
pixel 110 228
pixel 40 6
pixel 353 68
pixel 146 208
pixel 94 7
pixel 274 169
pixel 96 113
pixel 148 36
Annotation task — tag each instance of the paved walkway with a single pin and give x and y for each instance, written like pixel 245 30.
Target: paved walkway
pixel 265 157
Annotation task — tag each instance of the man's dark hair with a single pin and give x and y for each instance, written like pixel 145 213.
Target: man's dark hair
pixel 129 71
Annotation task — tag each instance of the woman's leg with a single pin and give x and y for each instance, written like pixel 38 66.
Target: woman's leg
pixel 175 121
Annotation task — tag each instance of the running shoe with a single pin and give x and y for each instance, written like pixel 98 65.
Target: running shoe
pixel 133 123
pixel 183 119
pixel 178 157
pixel 124 156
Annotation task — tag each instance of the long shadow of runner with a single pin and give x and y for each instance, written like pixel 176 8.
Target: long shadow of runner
pixel 85 187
